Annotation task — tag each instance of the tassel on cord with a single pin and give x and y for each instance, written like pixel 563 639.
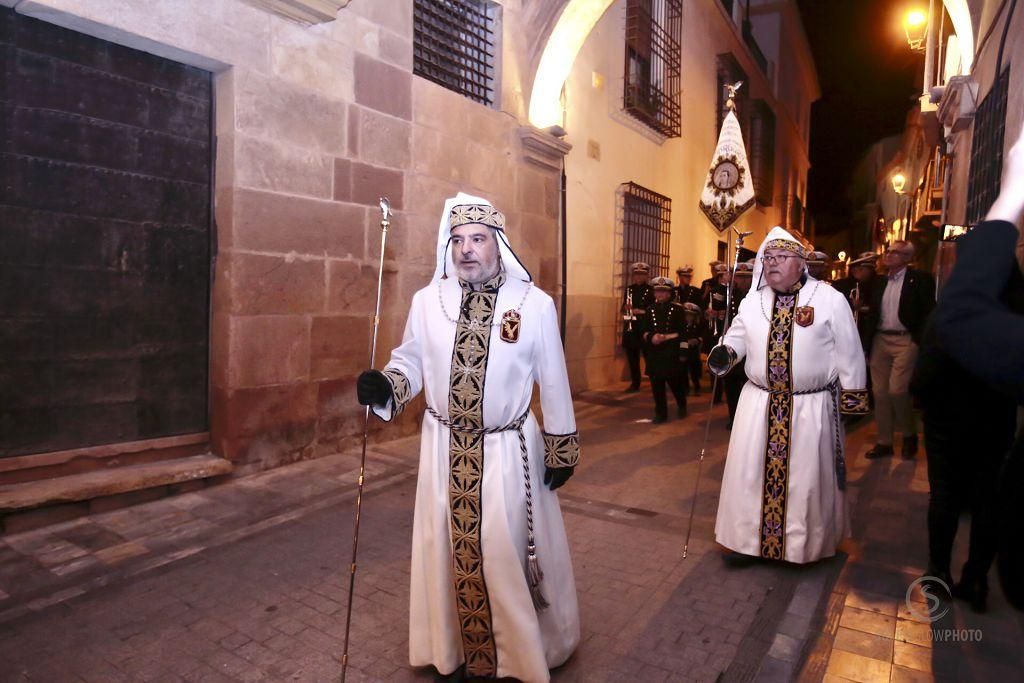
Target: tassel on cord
pixel 534 576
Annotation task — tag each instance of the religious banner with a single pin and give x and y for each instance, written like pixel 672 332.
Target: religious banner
pixel 729 189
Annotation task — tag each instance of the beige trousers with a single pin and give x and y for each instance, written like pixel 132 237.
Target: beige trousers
pixel 892 364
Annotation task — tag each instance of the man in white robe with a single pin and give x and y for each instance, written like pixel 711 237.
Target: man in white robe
pixel 784 481
pixel 477 339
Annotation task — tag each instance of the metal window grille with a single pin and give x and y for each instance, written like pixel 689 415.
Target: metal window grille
pixel 453 45
pixel 762 151
pixel 646 229
pixel 729 71
pixel 987 150
pixel 652 82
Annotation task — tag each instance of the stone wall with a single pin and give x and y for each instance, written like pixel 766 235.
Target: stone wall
pixel 313 124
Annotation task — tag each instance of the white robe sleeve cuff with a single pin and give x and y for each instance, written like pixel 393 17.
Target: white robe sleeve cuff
pixel 401 394
pixel 561 450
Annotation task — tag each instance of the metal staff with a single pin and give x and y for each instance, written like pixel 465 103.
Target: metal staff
pixel 385 222
pixel 740 236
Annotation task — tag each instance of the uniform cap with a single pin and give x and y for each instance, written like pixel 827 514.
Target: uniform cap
pixel 662 283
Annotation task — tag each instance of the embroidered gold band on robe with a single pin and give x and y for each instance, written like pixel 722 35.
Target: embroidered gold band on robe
pixel 853 402
pixel 780 416
pixel 401 393
pixel 466 473
pixel 561 450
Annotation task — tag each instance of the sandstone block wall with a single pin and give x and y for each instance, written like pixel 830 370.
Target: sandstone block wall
pixel 313 124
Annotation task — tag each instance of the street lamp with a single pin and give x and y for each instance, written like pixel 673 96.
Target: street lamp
pixel 899 182
pixel 915 25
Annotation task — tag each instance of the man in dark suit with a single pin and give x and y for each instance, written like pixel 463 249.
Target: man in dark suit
pixel 900 309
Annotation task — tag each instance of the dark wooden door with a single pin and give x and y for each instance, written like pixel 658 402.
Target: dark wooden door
pixel 105 175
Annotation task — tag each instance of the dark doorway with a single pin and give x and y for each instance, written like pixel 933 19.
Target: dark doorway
pixel 105 176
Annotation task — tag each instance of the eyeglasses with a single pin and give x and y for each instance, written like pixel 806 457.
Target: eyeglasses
pixel 772 259
pixel 897 251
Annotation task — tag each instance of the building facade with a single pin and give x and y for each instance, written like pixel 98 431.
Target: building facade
pixel 191 233
pixel 642 106
pixel 948 164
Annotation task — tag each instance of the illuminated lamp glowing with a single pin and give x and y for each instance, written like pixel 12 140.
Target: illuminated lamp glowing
pixel 574 25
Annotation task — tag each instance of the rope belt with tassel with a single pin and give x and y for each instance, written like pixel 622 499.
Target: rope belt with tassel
pixel 833 389
pixel 534 575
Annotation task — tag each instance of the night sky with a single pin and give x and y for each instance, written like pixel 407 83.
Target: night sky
pixel 868 78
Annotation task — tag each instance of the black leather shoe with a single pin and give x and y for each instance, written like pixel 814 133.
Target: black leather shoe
pixel 973 589
pixel 632 389
pixel 457 676
pixel 909 447
pixel 659 419
pixel 938 581
pixel 681 412
pixel 881 450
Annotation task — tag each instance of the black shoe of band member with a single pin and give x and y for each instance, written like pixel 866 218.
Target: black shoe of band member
pixel 881 450
pixel 659 419
pixel 909 447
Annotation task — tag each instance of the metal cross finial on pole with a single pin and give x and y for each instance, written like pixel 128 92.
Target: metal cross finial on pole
pixel 740 237
pixel 385 223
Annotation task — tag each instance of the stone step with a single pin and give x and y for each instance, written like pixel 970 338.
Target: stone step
pixel 78 494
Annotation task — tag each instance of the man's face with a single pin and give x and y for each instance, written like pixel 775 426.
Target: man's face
pixel 863 273
pixel 639 278
pixel 897 256
pixel 474 253
pixel 743 280
pixel 782 269
pixel 662 295
pixel 816 270
pixel 685 279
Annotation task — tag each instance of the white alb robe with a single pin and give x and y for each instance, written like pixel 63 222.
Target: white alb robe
pixel 815 513
pixel 527 642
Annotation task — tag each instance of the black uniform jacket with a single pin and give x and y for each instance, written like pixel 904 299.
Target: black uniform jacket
pixel 643 297
pixel 688 294
pixel 663 360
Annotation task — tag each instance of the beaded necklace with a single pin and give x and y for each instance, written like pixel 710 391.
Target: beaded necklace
pixel 794 294
pixel 455 321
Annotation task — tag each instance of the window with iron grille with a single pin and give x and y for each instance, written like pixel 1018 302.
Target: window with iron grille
pixel 987 151
pixel 454 46
pixel 729 71
pixel 652 73
pixel 762 151
pixel 646 228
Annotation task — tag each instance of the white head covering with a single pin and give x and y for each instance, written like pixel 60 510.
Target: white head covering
pixel 510 263
pixel 777 238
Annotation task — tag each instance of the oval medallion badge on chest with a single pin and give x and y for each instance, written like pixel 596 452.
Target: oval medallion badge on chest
pixel 510 324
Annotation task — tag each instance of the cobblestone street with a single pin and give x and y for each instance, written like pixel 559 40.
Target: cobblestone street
pixel 247 581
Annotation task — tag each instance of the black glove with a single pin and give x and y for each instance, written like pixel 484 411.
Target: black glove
pixel 373 388
pixel 557 476
pixel 720 360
